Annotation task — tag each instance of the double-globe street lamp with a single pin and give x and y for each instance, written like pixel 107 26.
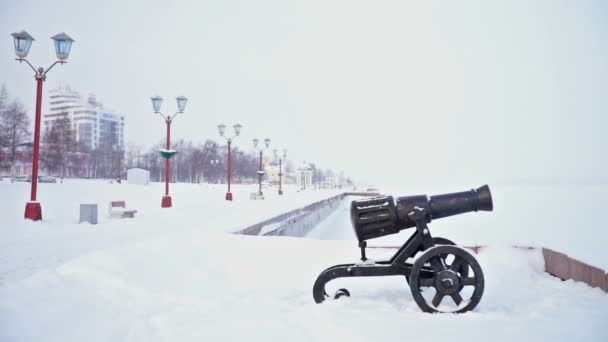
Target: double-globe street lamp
pixel 23 42
pixel 167 153
pixel 237 131
pixel 260 170
pixel 280 157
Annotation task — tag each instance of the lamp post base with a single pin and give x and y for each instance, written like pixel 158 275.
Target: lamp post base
pixel 280 192
pixel 229 196
pixel 33 211
pixel 166 203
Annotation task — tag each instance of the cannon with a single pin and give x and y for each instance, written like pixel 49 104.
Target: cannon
pixel 434 267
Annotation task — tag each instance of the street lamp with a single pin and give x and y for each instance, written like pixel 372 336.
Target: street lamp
pixel 261 171
pixel 237 131
pixel 280 158
pixel 167 153
pixel 23 42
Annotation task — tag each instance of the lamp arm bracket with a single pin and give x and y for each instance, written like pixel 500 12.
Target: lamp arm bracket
pixel 52 65
pixel 28 63
pixel 163 115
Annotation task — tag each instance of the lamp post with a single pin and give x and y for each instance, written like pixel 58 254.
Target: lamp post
pixel 23 42
pixel 280 158
pixel 167 153
pixel 260 170
pixel 237 131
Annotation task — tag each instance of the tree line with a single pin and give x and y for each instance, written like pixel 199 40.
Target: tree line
pixel 62 155
pixel 14 129
pixel 194 162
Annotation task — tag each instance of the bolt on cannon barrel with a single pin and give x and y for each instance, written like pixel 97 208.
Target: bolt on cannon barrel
pixel 380 216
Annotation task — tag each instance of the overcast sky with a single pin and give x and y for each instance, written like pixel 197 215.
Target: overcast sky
pixel 453 91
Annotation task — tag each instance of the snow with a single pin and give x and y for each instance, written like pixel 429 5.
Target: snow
pixel 138 176
pixel 27 247
pixel 176 275
pixel 270 227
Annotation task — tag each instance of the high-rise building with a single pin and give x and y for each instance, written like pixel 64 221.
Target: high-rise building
pixel 92 123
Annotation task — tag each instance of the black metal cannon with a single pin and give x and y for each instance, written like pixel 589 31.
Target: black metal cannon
pixel 439 269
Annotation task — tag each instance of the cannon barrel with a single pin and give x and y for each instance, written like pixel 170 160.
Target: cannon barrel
pixel 380 216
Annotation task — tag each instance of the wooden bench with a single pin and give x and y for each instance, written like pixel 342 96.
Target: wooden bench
pixel 118 209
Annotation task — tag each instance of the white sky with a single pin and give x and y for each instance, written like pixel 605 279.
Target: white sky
pixel 469 92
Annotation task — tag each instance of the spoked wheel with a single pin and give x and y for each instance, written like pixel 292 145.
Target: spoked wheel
pixel 437 241
pixel 449 276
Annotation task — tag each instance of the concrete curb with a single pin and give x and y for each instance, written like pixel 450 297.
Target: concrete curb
pixel 564 267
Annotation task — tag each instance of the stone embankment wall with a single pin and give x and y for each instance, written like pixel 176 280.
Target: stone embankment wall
pixel 297 222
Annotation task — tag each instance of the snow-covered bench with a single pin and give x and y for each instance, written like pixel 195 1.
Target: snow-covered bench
pixel 118 209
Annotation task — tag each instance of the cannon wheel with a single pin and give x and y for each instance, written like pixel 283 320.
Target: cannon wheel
pixel 447 280
pixel 443 241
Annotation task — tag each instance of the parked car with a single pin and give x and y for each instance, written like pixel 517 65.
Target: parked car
pixel 21 179
pixel 47 179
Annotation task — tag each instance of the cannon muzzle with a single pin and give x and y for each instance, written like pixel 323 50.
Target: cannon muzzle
pixel 380 216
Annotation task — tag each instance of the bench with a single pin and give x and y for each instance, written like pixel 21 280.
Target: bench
pixel 117 209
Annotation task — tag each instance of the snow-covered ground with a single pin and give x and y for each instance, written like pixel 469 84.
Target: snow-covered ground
pixel 176 275
pixel 26 247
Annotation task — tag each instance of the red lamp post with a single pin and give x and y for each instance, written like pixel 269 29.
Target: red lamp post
pixel 237 131
pixel 280 158
pixel 260 170
pixel 23 42
pixel 167 153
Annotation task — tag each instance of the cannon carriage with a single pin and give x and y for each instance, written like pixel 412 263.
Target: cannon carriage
pixel 439 269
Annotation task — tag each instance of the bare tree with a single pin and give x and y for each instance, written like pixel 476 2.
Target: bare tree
pixel 3 105
pixel 14 128
pixel 58 144
pixel 133 156
pixel 211 171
